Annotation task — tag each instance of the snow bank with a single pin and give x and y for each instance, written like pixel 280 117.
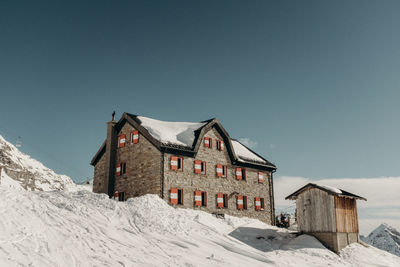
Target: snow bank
pixel 245 154
pixel 180 133
pixel 85 229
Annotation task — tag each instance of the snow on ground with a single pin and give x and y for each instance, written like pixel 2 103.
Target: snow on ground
pixel 243 153
pixel 81 228
pixel 180 133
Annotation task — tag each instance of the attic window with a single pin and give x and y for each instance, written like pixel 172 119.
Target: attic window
pixel 134 137
pixel 208 142
pixel 220 145
pixel 121 140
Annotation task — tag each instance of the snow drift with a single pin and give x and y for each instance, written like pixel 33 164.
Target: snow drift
pixel 85 229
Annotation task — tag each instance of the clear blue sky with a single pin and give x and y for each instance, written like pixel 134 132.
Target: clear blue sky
pixel 315 83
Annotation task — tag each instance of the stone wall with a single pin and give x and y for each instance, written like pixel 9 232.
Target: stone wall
pixel 99 179
pixel 209 182
pixel 143 166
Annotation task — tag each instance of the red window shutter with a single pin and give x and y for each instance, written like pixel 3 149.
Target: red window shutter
pixel 207 142
pixel 174 163
pixel 220 200
pixel 122 139
pixel 239 173
pixel 197 166
pixel 135 137
pixel 197 198
pixel 219 170
pixel 260 177
pixel 240 202
pixel 118 169
pixel 258 203
pixel 174 196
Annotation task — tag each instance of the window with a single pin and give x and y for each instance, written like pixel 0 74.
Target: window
pixel 220 145
pixel 245 202
pixel 260 177
pixel 259 203
pixel 121 140
pixel 123 168
pixel 208 142
pixel 200 167
pixel 204 199
pixel 240 173
pixel 224 171
pixel 121 196
pixel 180 196
pixel 221 170
pixel 176 163
pixel 222 200
pixel 200 198
pixel 176 196
pixel 134 137
pixel 225 200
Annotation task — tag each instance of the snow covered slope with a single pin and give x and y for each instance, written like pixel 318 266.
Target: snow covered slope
pixel 30 173
pixel 386 238
pixel 61 228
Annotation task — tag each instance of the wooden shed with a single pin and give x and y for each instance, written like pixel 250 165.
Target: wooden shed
pixel 328 213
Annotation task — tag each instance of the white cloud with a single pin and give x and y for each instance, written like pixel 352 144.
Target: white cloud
pixel 382 194
pixel 248 142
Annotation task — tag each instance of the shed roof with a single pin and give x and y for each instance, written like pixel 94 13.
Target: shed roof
pixel 328 189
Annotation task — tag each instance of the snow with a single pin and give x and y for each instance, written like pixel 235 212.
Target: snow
pixel 179 133
pixel 386 238
pixel 331 189
pixel 7 182
pixel 81 228
pixel 33 175
pixel 245 154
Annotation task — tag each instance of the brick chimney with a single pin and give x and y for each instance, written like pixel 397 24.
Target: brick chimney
pixel 111 147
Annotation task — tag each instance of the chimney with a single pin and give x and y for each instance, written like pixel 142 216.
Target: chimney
pixel 111 147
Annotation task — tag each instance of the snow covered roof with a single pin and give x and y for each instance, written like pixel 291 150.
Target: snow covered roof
pixel 183 137
pixel 178 133
pixel 326 188
pixel 244 153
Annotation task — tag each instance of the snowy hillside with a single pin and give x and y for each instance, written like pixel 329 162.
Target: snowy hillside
pixel 85 229
pixel 386 238
pixel 30 173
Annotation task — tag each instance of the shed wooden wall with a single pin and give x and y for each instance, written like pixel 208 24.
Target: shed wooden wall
pixel 346 215
pixel 316 211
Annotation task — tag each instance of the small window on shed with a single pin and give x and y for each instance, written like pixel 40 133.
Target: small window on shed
pixel 121 196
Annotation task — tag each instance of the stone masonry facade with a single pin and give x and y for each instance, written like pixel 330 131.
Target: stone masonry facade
pixel 210 183
pixel 148 171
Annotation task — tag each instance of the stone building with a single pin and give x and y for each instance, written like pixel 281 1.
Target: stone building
pixel 328 213
pixel 190 165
